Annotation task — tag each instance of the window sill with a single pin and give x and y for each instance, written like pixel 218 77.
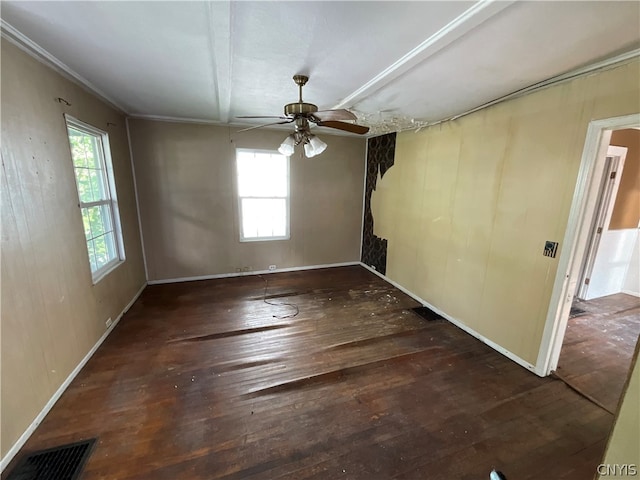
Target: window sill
pixel 106 270
pixel 263 239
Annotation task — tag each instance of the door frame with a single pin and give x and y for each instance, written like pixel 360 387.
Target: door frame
pixel 576 238
pixel 607 194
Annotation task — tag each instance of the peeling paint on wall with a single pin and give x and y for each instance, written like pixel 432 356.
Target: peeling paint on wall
pixel 380 155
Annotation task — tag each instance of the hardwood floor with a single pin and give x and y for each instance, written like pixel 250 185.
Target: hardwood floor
pixel 598 346
pixel 202 380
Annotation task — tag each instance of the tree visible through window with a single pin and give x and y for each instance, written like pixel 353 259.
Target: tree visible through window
pixel 263 195
pixel 97 195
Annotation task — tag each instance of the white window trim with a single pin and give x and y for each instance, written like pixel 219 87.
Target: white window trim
pixel 107 164
pixel 287 234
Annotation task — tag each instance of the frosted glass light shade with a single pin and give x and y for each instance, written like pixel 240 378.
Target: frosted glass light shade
pixel 318 145
pixel 309 150
pixel 288 146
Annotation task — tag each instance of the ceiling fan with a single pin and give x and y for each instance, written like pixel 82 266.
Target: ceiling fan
pixel 302 115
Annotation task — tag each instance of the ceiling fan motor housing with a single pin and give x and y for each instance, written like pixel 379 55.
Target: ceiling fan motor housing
pixel 299 108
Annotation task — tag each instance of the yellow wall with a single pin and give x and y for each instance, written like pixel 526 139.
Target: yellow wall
pixel 51 314
pixel 468 204
pixel 624 442
pixel 626 211
pixel 189 209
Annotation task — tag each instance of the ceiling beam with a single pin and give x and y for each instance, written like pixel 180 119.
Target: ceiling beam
pixel 461 25
pixel 221 45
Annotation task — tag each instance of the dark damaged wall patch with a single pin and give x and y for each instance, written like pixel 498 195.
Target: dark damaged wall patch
pixel 380 154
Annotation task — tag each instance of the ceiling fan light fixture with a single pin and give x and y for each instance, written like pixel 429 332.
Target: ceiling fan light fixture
pixel 309 150
pixel 302 115
pixel 288 146
pixel 318 145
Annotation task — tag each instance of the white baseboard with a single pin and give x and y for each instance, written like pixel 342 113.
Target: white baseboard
pixel 459 324
pixel 254 272
pixel 52 401
pixel 629 292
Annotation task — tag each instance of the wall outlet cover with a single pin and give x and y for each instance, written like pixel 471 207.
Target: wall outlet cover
pixel 550 249
pixel 108 322
pixel 272 267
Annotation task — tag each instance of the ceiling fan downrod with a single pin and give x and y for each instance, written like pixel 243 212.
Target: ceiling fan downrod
pixel 300 107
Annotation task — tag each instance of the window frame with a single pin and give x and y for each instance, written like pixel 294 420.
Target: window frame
pixel 106 165
pixel 287 198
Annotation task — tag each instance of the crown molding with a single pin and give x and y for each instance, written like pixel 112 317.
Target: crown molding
pixel 605 64
pixel 14 36
pixel 477 14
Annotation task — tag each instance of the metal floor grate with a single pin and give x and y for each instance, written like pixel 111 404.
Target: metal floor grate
pixel 59 463
pixel 576 312
pixel 427 314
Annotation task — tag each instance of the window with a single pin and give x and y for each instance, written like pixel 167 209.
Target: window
pixel 97 194
pixel 263 195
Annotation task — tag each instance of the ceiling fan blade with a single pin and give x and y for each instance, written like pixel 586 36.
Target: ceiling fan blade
pixel 265 125
pixel 347 127
pixel 341 114
pixel 269 116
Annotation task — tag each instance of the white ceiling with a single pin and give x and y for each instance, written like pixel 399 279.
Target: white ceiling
pixel 213 61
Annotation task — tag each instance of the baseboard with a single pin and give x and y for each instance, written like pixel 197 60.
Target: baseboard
pixel 629 292
pixel 52 401
pixel 459 324
pixel 254 272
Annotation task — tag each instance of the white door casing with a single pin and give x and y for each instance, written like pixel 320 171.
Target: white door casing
pixel 581 215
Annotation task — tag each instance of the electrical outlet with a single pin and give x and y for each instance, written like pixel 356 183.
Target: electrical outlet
pixel 246 269
pixel 108 322
pixel 550 249
pixel 272 267
pixel 238 269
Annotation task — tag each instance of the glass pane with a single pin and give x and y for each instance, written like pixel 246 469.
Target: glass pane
pixel 100 247
pixel 264 217
pixel 98 186
pixel 87 223
pixel 77 147
pixel 92 256
pixel 262 175
pixel 110 241
pixel 86 149
pixel 93 150
pixel 105 213
pixel 95 221
pixel 84 185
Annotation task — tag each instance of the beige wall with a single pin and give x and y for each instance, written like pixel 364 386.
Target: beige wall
pixel 188 207
pixel 469 203
pixel 51 313
pixel 624 443
pixel 626 211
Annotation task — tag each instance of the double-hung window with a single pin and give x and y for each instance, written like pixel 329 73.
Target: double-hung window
pixel 263 195
pixel 97 195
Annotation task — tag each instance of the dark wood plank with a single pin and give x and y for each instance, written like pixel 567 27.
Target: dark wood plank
pixel 201 381
pixel 598 346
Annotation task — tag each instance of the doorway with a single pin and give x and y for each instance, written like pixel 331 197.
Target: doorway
pixel 604 322
pixel 607 256
pixel 574 258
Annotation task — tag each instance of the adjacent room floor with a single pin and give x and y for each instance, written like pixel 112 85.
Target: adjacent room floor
pixel 204 380
pixel 598 346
